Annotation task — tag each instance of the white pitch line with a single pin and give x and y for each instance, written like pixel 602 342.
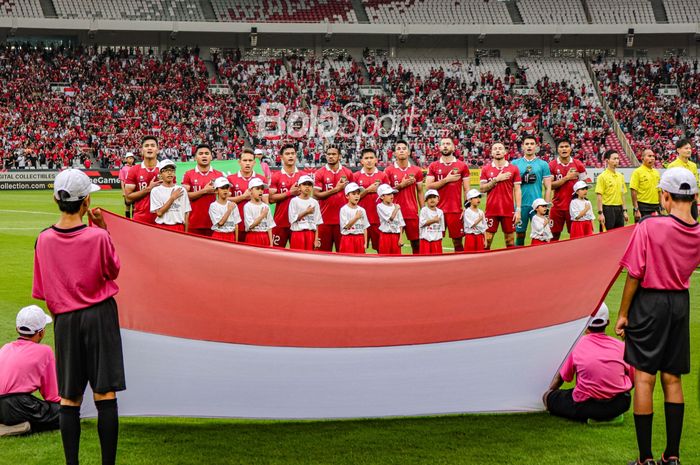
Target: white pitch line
pixel 27 211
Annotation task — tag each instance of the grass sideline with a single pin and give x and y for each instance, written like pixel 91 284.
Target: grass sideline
pixel 484 439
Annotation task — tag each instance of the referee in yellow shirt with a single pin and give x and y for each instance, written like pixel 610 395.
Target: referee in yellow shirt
pixel 609 189
pixel 644 187
pixel 684 150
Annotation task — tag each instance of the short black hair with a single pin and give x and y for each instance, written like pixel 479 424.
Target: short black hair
pixel 71 207
pixel 608 154
pixel 202 146
pixel 529 136
pixel 368 150
pixel 401 141
pixel 682 143
pixel 149 137
pixel 599 329
pixel 332 146
pixel 684 198
pixel 287 146
pixel 563 140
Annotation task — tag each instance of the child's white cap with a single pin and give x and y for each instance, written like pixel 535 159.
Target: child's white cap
pixel 31 319
pixel 165 163
pixel 601 318
pixel 256 182
pixel 76 183
pixel 473 193
pixel 679 181
pixel 385 189
pixel 352 187
pixel 258 152
pixel 129 154
pixel 430 192
pixel 304 179
pixel 540 203
pixel 221 182
pixel 580 185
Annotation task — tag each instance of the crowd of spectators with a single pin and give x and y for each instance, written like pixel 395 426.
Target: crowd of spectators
pixel 633 89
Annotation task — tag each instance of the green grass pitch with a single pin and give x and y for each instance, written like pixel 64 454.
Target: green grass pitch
pixel 456 439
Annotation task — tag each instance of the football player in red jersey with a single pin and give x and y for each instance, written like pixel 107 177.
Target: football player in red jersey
pixel 408 180
pixel 283 187
pixel 501 180
pixel 329 190
pixel 239 185
pixel 199 184
pixel 566 172
pixel 451 178
pixel 142 179
pixel 369 178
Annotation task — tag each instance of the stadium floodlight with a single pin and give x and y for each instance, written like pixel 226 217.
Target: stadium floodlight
pixel 630 37
pixel 253 36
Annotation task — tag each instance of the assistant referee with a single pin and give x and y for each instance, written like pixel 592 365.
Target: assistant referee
pixel 609 188
pixel 644 187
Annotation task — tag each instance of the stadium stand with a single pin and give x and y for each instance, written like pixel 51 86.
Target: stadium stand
pixel 552 11
pixel 21 8
pixel 650 119
pixel 137 10
pixel 621 12
pixel 436 12
pixel 285 11
pixel 682 11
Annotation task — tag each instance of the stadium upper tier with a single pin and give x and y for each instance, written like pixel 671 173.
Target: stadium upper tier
pixel 626 12
pixel 58 104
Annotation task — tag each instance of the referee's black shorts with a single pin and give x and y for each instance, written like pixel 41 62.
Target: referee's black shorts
pixel 657 337
pixel 648 209
pixel 89 350
pixel 614 216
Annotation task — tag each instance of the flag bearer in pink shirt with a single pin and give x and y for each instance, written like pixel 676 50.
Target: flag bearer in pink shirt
pixel 74 271
pixel 662 255
pixel 27 366
pixel 603 378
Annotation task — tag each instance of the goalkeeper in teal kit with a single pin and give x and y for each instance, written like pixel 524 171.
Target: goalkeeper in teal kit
pixel 534 173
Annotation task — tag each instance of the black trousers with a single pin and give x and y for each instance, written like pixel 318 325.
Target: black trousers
pixel 648 209
pixel 18 408
pixel 560 402
pixel 614 216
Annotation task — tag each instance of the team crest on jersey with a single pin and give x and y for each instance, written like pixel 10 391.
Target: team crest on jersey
pixel 328 179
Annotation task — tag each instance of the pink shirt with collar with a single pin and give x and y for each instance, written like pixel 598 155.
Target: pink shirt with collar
pixel 26 366
pixel 597 362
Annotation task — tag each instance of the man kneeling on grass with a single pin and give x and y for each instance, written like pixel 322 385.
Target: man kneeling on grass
pixel 27 366
pixel 603 378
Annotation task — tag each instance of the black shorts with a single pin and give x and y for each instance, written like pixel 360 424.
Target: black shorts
pixel 89 349
pixel 657 337
pixel 560 402
pixel 614 216
pixel 18 408
pixel 648 209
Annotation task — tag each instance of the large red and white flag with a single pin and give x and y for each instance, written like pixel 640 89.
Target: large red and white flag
pixel 214 329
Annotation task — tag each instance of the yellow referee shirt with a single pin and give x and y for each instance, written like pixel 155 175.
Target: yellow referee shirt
pixel 692 167
pixel 646 181
pixel 611 185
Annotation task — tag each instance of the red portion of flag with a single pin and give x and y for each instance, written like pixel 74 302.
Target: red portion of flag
pixel 179 285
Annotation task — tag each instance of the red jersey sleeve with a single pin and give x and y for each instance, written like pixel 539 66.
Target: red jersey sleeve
pixel 516 174
pixel 466 174
pixel 419 175
pixel 431 170
pixel 187 179
pixel 484 176
pixel 318 180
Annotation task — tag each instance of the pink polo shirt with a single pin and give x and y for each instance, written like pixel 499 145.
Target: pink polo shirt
pixel 26 366
pixel 74 268
pixel 663 252
pixel 601 373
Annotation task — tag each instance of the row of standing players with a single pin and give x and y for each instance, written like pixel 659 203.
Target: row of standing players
pixel 150 188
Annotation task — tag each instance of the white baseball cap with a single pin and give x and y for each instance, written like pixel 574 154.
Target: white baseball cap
pixel 129 154
pixel 31 319
pixel 76 183
pixel 164 163
pixel 221 182
pixel 305 178
pixel 385 189
pixel 580 185
pixel 430 192
pixel 601 318
pixel 473 193
pixel 540 203
pixel 679 181
pixel 256 182
pixel 258 152
pixel 352 187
